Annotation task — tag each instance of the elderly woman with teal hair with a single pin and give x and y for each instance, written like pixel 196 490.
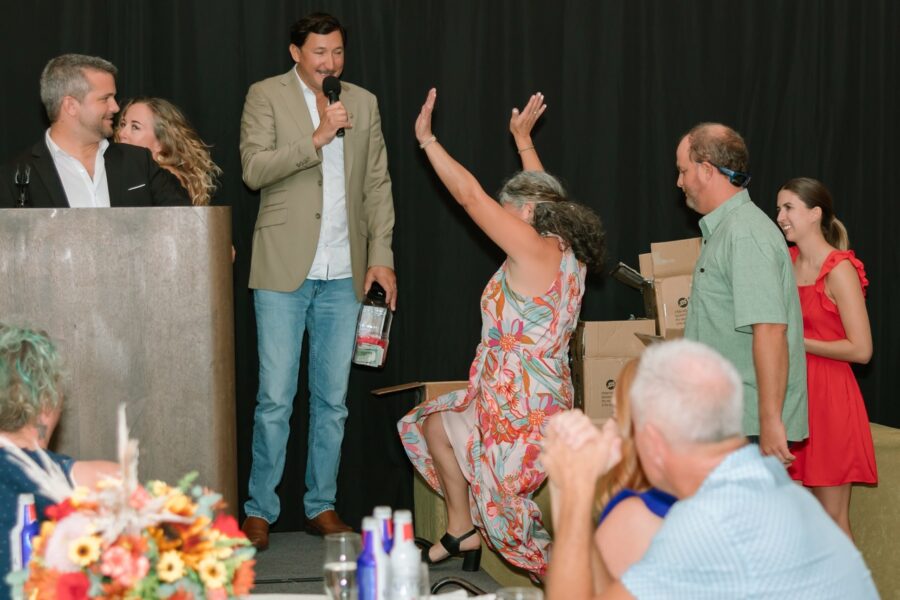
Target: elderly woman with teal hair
pixel 31 401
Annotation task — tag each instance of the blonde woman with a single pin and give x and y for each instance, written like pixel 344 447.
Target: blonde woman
pixel 631 510
pixel 158 125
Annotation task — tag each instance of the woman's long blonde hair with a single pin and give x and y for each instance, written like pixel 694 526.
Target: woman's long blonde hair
pixel 183 153
pixel 628 473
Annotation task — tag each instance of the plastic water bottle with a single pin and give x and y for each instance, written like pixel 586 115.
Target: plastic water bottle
pixel 24 531
pixel 385 527
pixel 367 578
pixel 405 559
pixel 382 564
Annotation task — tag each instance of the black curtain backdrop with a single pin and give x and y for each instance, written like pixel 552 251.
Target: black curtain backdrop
pixel 811 84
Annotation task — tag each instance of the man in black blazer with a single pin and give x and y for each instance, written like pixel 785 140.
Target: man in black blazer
pixel 74 165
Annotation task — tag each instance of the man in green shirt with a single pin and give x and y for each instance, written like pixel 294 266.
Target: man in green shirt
pixel 744 299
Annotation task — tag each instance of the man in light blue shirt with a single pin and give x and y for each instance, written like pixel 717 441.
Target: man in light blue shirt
pixel 741 528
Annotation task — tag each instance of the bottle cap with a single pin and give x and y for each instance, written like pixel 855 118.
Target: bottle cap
pixel 376 292
pixel 402 516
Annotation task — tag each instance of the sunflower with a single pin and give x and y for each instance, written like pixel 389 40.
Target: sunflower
pixel 212 572
pixel 180 504
pixel 84 551
pixel 170 567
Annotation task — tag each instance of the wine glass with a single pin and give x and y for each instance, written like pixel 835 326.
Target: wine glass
pixel 341 552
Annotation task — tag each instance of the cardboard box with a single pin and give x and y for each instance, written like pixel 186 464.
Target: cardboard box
pixel 593 339
pixel 429 515
pixel 599 350
pixel 424 389
pixel 670 265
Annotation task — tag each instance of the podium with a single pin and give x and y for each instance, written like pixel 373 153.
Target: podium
pixel 139 302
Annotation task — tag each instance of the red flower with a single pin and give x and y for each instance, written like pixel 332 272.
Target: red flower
pixel 72 586
pixel 60 511
pixel 228 525
pixel 502 431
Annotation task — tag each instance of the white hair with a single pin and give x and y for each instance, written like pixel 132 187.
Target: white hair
pixel 689 392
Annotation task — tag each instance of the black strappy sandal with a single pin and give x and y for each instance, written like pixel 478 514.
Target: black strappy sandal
pixel 471 558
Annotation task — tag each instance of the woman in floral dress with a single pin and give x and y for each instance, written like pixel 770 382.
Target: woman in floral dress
pixel 479 448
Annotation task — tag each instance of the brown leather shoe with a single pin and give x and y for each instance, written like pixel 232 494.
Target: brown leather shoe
pixel 325 523
pixel 257 531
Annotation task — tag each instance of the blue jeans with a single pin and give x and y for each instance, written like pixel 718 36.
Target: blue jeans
pixel 328 311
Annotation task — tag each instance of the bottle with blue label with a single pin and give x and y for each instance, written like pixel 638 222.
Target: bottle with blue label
pixel 369 577
pixel 23 532
pixel 385 527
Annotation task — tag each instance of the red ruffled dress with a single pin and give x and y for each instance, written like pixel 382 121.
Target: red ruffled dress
pixel 839 449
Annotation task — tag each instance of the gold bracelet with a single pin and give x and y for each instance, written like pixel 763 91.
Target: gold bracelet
pixel 428 141
pixel 521 150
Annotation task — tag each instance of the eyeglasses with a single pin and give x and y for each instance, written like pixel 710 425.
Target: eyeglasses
pixel 736 178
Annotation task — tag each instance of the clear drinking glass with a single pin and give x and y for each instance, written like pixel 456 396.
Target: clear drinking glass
pixel 339 568
pixel 424 582
pixel 519 593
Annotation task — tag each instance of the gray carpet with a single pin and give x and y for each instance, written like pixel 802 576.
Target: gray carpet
pixel 298 556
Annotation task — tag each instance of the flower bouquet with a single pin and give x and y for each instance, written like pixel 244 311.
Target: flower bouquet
pixel 127 540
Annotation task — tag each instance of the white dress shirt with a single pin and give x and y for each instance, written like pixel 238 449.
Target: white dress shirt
pixel 81 190
pixel 332 260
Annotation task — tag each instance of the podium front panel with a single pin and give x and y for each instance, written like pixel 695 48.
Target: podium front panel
pixel 139 302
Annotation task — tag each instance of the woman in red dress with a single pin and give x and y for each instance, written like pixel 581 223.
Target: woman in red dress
pixel 832 283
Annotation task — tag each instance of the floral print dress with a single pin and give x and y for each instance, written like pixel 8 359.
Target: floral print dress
pixel 519 378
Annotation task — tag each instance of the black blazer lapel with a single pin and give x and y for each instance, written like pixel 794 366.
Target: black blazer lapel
pixel 43 166
pixel 114 176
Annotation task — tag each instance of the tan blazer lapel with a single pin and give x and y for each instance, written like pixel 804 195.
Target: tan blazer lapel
pixel 350 135
pixel 295 103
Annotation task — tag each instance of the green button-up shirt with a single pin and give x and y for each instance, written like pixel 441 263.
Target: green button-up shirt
pixel 744 276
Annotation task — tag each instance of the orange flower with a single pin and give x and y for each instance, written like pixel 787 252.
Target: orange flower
pixel 114 591
pixel 242 582
pixel 40 541
pixel 536 418
pixel 166 537
pixel 195 543
pixel 179 504
pixel 503 431
pixel 41 582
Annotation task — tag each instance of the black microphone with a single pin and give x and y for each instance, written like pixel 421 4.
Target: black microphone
pixel 22 179
pixel 332 87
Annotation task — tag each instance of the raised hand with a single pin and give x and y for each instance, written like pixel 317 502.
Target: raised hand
pixel 522 122
pixel 423 121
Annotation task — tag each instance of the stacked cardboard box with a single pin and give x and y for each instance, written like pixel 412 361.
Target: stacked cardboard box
pixel 670 267
pixel 599 351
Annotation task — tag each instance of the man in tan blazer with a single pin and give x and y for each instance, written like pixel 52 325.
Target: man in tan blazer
pixel 323 235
